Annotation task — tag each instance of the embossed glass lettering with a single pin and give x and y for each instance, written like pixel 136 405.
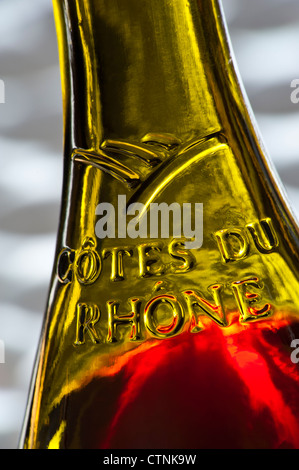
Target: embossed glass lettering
pixel 246 300
pixel 87 315
pixel 163 316
pixel 215 311
pixel 117 265
pixel 149 261
pixel 233 244
pixel 263 235
pixel 115 320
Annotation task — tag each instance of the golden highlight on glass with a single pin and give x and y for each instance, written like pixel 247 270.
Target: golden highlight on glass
pixel 147 343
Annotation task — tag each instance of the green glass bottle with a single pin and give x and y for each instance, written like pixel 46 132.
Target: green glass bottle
pixel 174 298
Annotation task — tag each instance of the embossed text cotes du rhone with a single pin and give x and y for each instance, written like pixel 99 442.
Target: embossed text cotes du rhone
pixel 142 315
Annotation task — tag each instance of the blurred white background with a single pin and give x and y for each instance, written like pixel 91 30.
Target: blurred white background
pixel 265 39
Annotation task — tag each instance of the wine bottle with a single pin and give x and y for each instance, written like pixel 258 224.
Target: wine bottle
pixel 174 300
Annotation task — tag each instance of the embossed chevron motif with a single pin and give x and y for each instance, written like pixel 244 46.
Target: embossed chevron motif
pixel 154 149
pixel 149 342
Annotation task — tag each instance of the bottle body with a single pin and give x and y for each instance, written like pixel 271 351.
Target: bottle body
pixel 149 342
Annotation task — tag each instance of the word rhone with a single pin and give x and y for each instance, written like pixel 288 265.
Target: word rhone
pixel 174 298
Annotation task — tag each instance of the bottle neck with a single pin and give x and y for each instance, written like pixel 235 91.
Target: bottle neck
pixel 136 67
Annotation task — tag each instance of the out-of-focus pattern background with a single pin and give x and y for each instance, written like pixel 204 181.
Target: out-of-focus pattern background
pixel 265 38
